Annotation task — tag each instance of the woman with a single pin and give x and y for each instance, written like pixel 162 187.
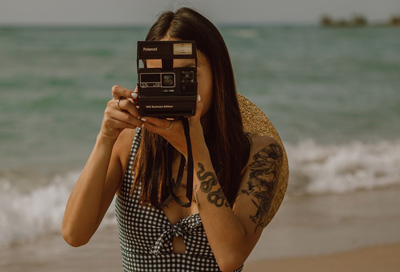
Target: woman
pixel 236 174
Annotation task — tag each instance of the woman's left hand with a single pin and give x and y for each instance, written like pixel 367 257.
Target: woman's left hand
pixel 172 131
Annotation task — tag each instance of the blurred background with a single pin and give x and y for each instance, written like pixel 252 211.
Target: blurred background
pixel 327 74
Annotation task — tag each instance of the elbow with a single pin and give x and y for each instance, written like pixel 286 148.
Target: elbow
pixel 72 238
pixel 74 241
pixel 234 255
pixel 230 262
pixel 229 267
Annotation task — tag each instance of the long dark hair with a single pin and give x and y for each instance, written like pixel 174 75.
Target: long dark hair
pixel 228 145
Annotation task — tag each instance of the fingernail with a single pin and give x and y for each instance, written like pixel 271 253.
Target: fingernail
pixel 199 98
pixel 134 95
pixel 142 126
pixel 143 119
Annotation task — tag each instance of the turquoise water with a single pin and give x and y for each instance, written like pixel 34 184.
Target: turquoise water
pixel 329 85
pixel 333 95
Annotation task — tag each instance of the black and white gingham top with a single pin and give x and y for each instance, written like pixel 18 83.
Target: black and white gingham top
pixel 146 234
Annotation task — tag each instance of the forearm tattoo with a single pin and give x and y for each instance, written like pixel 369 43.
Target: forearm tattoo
pixel 263 180
pixel 207 181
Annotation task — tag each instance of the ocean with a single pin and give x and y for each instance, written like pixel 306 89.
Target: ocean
pixel 332 93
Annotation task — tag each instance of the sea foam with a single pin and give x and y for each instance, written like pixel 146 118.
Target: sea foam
pixel 24 216
pixel 314 169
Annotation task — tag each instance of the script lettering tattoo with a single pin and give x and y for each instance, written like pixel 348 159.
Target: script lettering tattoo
pixel 207 181
pixel 263 180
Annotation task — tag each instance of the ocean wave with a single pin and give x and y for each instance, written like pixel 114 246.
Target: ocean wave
pixel 27 215
pixel 318 169
pixel 314 169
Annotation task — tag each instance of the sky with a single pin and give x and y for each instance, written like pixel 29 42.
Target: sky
pixel 133 12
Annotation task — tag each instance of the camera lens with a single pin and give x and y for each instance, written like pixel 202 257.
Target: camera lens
pixel 168 80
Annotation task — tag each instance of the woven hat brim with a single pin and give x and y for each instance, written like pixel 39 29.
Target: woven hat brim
pixel 256 122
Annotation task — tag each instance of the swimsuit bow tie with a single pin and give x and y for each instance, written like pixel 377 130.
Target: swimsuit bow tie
pixel 180 229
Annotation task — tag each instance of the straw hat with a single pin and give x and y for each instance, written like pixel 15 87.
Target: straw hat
pixel 256 122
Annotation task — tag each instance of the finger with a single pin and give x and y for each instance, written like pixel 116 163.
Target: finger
pixel 118 124
pixel 125 117
pixel 161 123
pixel 127 105
pixel 118 92
pixel 153 128
pixel 135 95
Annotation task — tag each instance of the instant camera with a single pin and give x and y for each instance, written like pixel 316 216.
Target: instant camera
pixel 167 78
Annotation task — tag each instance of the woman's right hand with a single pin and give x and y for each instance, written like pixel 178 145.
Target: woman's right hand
pixel 119 115
pixel 100 179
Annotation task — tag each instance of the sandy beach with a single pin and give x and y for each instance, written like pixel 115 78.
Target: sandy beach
pixel 351 232
pixel 378 258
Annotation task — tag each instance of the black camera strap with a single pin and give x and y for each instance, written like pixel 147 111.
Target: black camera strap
pixel 174 186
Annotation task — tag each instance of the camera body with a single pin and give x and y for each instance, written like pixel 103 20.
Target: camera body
pixel 167 78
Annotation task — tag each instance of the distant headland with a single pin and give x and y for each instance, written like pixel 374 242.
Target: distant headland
pixel 358 21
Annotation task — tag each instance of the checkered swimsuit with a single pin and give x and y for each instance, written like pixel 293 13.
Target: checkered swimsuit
pixel 146 234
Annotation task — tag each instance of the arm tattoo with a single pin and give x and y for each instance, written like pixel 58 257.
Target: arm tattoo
pixel 208 180
pixel 262 184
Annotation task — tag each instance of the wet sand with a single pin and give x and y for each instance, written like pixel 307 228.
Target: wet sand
pixel 373 259
pixel 352 232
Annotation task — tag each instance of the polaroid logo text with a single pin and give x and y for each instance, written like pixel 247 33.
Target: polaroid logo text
pixel 150 49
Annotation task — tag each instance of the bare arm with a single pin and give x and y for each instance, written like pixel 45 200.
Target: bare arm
pixel 102 174
pixel 233 233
